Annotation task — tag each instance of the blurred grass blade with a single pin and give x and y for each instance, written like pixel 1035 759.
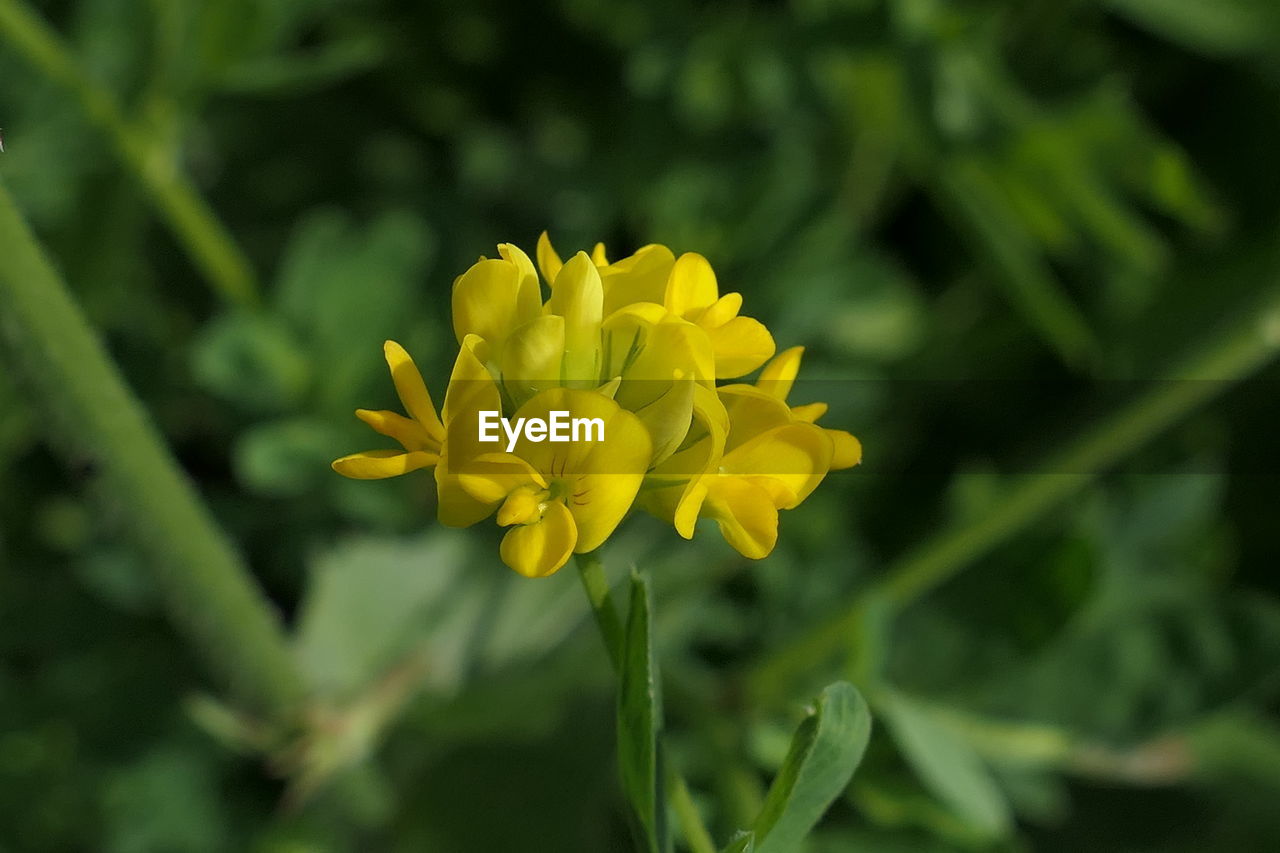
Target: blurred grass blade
pixel 826 749
pixel 193 223
pixel 974 195
pixel 211 595
pixel 1232 355
pixel 1218 28
pixel 640 721
pixel 742 842
pixel 947 765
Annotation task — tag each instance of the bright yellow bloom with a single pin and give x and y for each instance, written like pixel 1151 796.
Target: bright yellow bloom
pixel 559 499
pixel 421 434
pixel 777 378
pixel 638 344
pixel 686 287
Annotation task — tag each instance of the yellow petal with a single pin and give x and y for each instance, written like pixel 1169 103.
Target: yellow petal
pixel 741 345
pixel 597 479
pixel 676 489
pixel 491 477
pixel 471 389
pixel 642 277
pixel 796 455
pixel 689 508
pixel 487 301
pixel 720 312
pixel 691 288
pixel 548 261
pixel 751 412
pixel 674 345
pixel 578 296
pixel 542 548
pixel 747 517
pixel 532 356
pixel 846 449
pixel 411 434
pixel 412 390
pixel 809 413
pixel 529 294
pixel 780 374
pixel 598 256
pixel 456 508
pixel 380 464
pixel 521 507
pixel 667 419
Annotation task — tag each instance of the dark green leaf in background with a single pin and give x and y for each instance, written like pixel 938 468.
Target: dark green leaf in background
pixel 947 765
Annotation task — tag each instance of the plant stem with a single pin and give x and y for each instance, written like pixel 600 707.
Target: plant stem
pixel 591 570
pixel 695 831
pixel 187 215
pixel 1241 351
pixel 211 596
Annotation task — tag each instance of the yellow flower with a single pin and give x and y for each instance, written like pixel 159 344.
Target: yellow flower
pixel 421 434
pixel 684 286
pixel 755 456
pixel 559 499
pixel 638 344
pixel 777 378
pixel 753 459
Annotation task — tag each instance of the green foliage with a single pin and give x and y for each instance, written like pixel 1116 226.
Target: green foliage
pixel 992 223
pixel 825 751
pixel 640 720
pixel 948 766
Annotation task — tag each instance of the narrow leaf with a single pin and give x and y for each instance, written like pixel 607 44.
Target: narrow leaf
pixel 825 750
pixel 640 721
pixel 947 765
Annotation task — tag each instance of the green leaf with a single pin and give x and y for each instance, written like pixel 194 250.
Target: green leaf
pixel 640 721
pixel 1222 28
pixel 288 457
pixel 947 765
pixel 373 601
pixel 253 360
pixel 343 287
pixel 825 751
pixel 742 842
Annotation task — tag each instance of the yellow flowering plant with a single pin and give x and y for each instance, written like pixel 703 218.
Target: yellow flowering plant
pixel 639 354
pixel 639 344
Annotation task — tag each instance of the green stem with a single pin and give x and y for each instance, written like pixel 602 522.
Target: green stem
pixel 193 223
pixel 695 831
pixel 211 595
pixel 1233 356
pixel 591 570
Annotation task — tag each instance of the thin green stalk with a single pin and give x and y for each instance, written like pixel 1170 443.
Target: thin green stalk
pixel 184 211
pixel 591 570
pixel 695 831
pixel 211 595
pixel 1233 356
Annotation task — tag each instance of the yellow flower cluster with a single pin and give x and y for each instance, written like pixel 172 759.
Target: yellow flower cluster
pixel 639 345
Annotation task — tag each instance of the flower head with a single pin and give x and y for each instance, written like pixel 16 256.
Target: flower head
pixel 637 346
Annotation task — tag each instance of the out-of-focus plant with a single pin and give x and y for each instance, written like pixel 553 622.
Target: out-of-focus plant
pixel 635 347
pixel 992 222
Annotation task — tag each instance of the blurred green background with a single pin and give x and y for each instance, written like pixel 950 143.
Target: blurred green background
pixel 990 223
